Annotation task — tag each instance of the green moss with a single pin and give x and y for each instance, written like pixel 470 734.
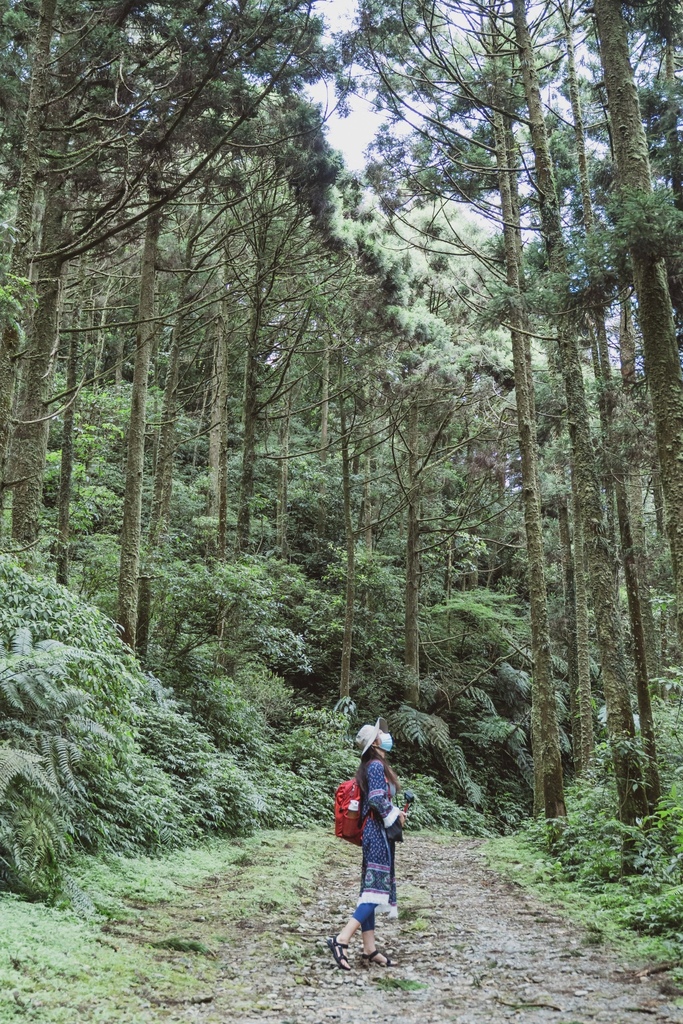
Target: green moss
pixel 600 912
pixel 56 968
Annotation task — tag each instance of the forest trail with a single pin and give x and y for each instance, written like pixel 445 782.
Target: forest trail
pixel 470 948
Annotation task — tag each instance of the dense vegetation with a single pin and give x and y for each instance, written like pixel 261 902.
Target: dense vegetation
pixel 283 447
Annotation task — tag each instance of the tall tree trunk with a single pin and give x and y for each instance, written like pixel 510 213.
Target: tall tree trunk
pixel 570 630
pixel 215 424
pixel 412 598
pixel 347 642
pixel 549 788
pixel 221 410
pixel 67 462
pixel 614 471
pixel 647 725
pixel 585 700
pixel 367 503
pixel 627 346
pixel 30 437
pixel 283 484
pixel 163 474
pixel 662 362
pixel 324 427
pixel 615 457
pixel 131 530
pixel 23 224
pixel 632 801
pixel 249 421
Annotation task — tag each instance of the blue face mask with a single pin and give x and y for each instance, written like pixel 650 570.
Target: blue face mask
pixel 386 743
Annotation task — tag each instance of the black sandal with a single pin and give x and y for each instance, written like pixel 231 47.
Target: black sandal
pixel 341 958
pixel 370 958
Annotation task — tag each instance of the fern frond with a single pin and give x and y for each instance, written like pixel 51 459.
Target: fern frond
pixel 457 765
pixel 10 691
pixel 430 731
pixel 483 699
pixel 22 764
pixel 21 644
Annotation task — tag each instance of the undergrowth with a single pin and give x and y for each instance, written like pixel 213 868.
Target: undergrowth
pixel 98 757
pixel 625 883
pixel 57 967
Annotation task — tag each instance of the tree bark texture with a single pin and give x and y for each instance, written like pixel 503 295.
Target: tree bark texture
pixel 249 421
pixel 631 795
pixel 549 785
pixel 283 483
pixel 662 362
pixel 163 474
pixel 412 597
pixel 347 642
pixel 30 436
pixel 647 725
pixel 570 630
pixel 585 698
pixel 23 224
pixel 131 530
pixel 220 410
pixel 324 428
pixel 67 463
pixel 627 347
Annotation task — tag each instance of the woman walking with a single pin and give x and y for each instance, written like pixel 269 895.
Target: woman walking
pixel 383 823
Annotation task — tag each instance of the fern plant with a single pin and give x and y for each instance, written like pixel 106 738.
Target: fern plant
pixel 43 722
pixel 431 732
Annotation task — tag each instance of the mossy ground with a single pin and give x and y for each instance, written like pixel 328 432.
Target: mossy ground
pixel 57 967
pixel 599 911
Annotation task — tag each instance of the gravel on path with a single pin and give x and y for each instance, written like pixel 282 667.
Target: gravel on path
pixel 469 947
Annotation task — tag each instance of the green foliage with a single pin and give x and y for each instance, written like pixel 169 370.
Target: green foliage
pixel 647 223
pixel 432 809
pixel 636 871
pixel 13 292
pixel 432 732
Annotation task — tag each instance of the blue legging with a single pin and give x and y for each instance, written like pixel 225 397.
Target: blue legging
pixel 365 914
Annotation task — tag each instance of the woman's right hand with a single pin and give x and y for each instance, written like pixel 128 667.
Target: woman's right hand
pixel 402 818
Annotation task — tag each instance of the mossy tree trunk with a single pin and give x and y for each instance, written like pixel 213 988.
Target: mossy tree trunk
pixel 583 645
pixel 250 413
pixel 549 787
pixel 131 530
pixel 631 794
pixel 30 436
pixel 569 590
pixel 349 611
pixel 23 223
pixel 283 481
pixel 412 593
pixel 662 361
pixel 67 455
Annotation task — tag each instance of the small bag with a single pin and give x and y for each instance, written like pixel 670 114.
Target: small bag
pixel 395 832
pixel 347 812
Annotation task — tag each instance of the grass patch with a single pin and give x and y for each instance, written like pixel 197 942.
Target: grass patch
pixel 57 968
pixel 600 911
pixel 183 945
pixel 402 984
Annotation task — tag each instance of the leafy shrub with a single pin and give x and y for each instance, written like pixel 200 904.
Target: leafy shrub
pixel 432 809
pixel 51 612
pixel 43 722
pixel 216 793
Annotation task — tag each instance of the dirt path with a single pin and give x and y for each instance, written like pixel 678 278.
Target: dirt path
pixel 482 950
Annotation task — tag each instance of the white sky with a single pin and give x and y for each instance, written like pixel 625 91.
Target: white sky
pixel 352 134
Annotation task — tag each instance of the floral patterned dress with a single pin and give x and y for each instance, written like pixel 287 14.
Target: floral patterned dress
pixel 378 882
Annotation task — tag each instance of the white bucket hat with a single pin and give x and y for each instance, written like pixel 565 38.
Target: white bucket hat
pixel 367 734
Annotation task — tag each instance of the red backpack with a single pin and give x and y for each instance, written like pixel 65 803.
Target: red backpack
pixel 347 820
